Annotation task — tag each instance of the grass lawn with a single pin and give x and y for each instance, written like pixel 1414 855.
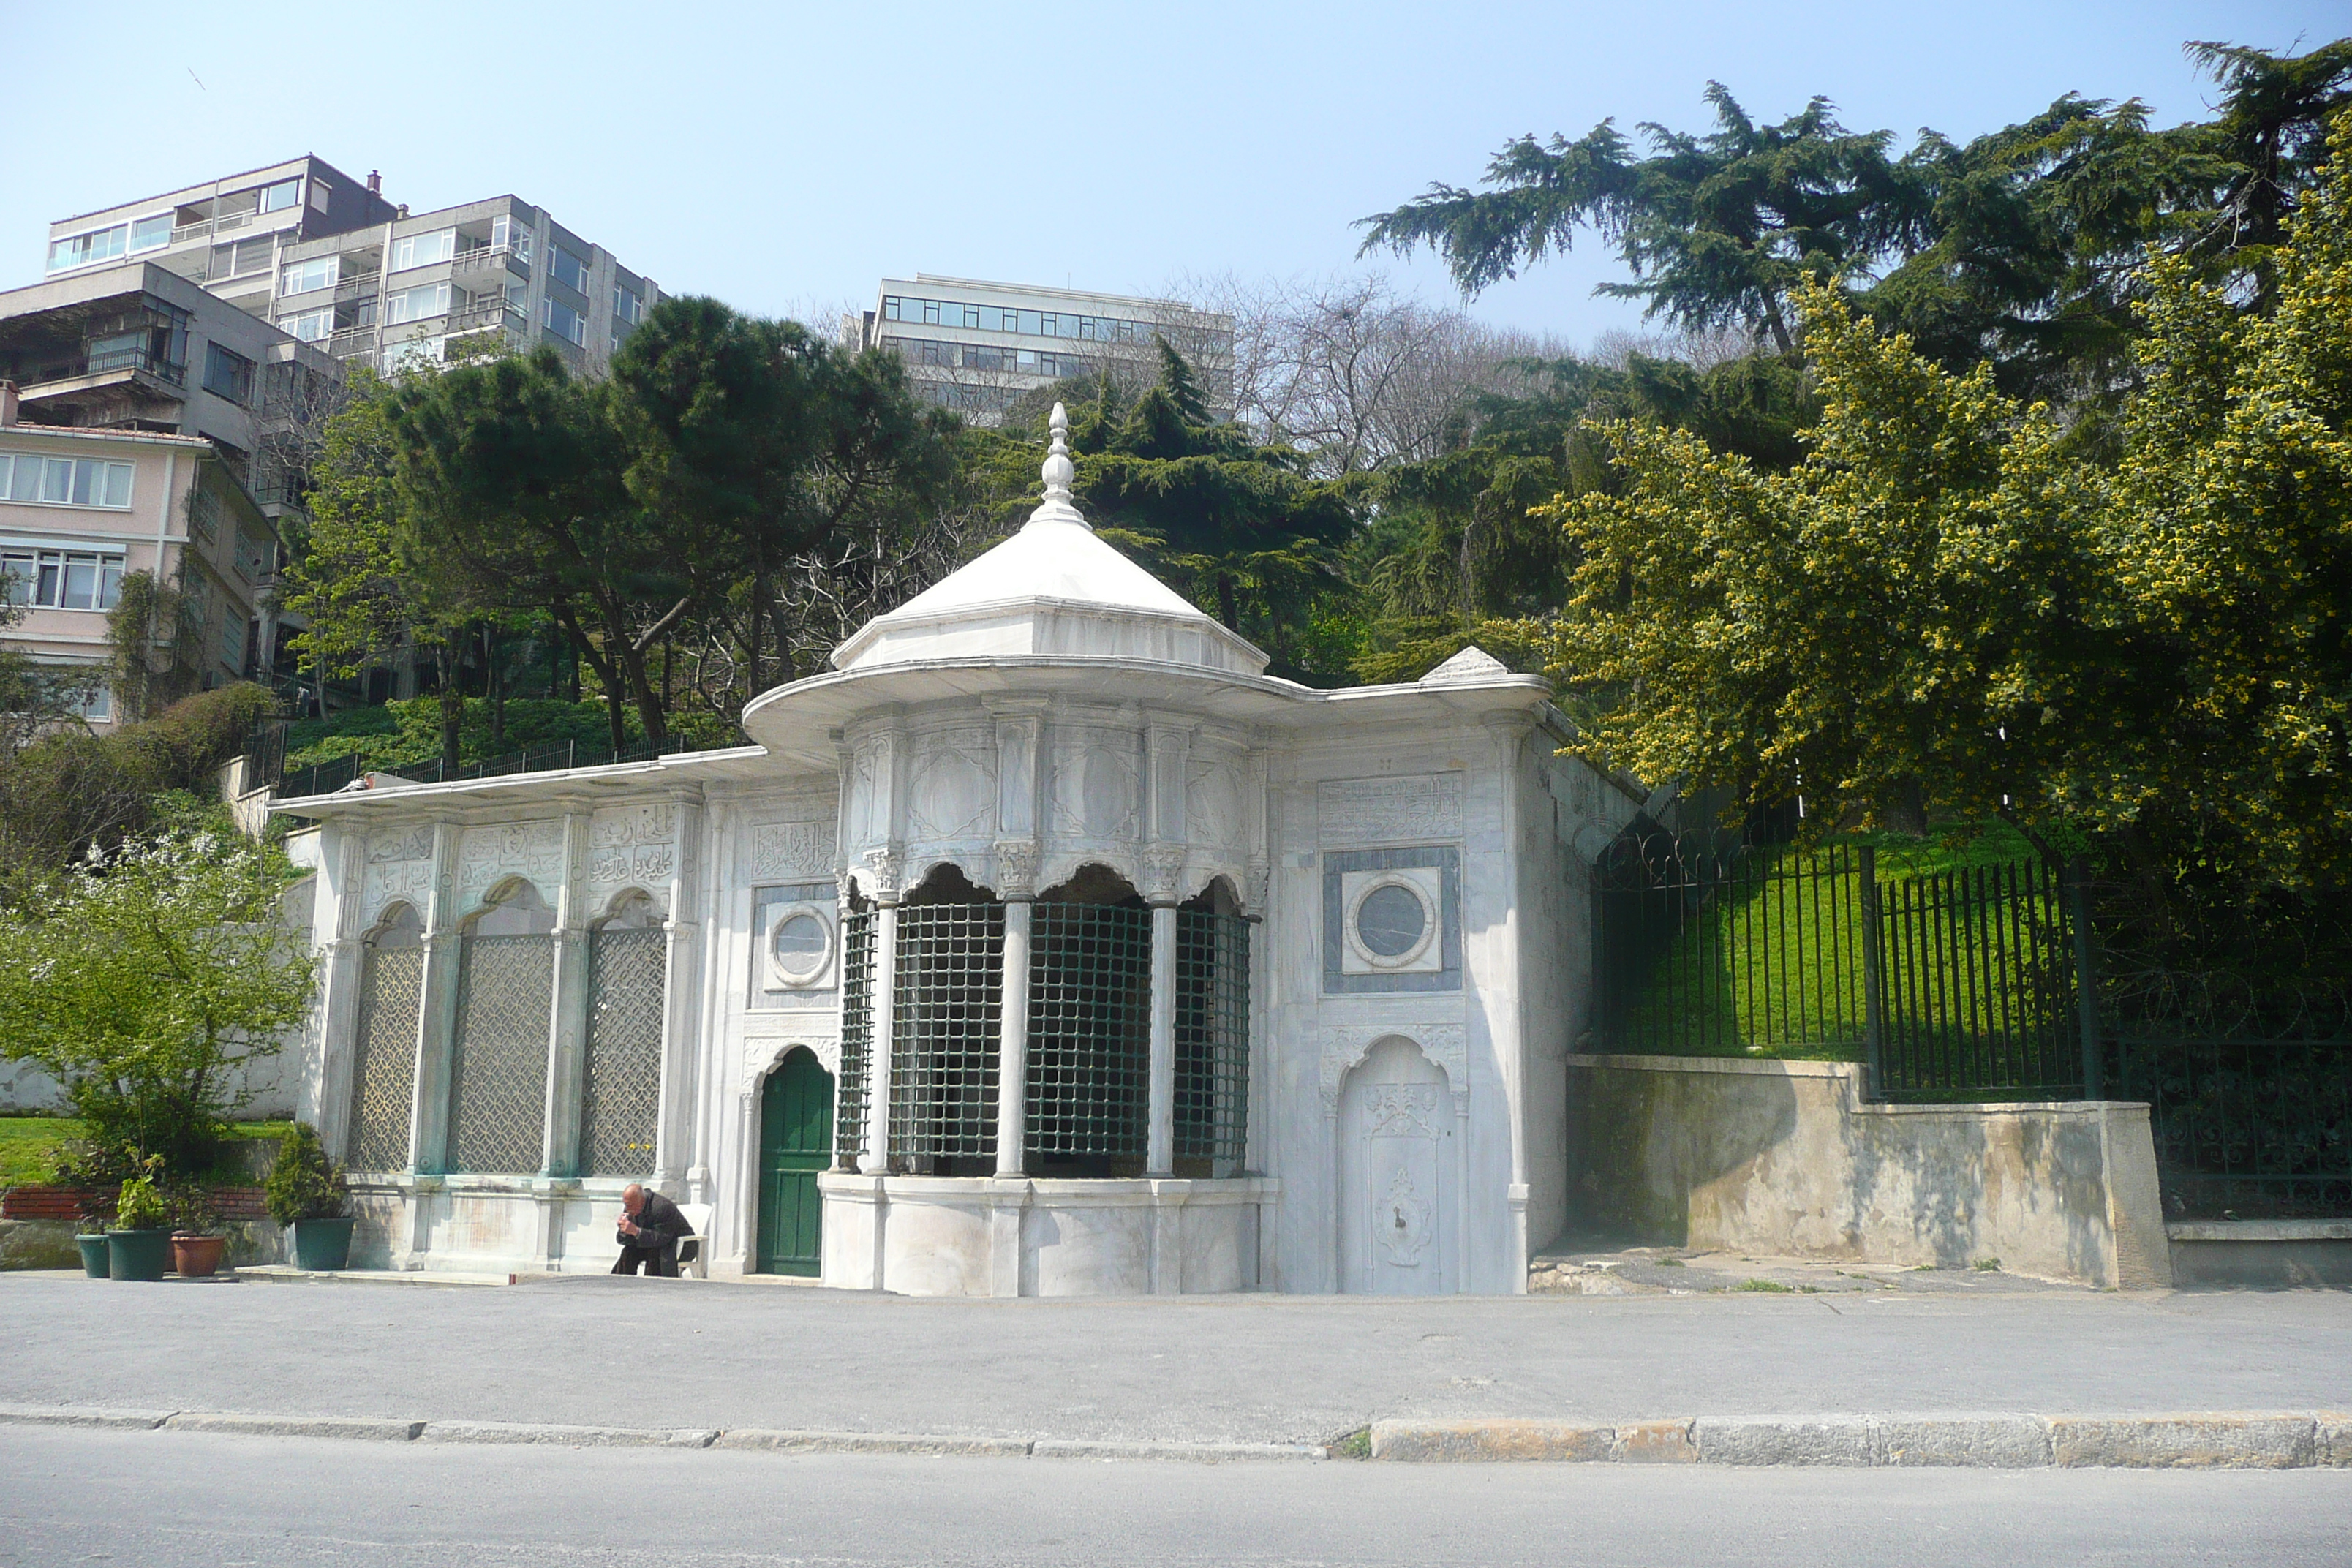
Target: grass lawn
pixel 1771 965
pixel 29 1145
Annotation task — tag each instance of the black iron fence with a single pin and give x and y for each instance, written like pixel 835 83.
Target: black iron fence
pixel 337 773
pixel 1951 984
pixel 2009 981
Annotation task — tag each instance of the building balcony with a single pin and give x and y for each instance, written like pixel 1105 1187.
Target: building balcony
pixel 489 259
pixel 90 367
pixel 352 342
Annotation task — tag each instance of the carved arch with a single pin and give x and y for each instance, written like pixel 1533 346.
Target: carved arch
pixel 1344 1047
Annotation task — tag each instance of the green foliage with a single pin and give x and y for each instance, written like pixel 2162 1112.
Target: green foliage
pixel 137 1204
pixel 143 976
pixel 153 650
pixel 302 1183
pixel 70 790
pixel 408 729
pixel 2019 248
pixel 1948 599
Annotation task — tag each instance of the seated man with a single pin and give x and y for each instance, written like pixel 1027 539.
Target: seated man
pixel 650 1229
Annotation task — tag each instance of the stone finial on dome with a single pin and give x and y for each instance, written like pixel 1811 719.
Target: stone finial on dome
pixel 1059 469
pixel 1058 505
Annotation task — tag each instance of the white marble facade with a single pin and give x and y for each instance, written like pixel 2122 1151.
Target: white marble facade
pixel 1408 859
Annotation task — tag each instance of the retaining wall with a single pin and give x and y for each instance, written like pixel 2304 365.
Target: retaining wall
pixel 1786 1158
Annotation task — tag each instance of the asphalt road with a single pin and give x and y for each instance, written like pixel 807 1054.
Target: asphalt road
pixel 162 1499
pixel 649 1352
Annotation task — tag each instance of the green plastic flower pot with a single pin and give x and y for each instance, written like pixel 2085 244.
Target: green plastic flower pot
pixel 94 1261
pixel 137 1253
pixel 322 1244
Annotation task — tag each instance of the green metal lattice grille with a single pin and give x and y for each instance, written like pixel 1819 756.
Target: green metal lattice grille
pixel 384 1072
pixel 1089 1036
pixel 498 1068
pixel 946 990
pixel 857 1037
pixel 620 1100
pixel 1213 955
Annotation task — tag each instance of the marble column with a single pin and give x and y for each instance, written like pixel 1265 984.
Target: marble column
pixel 1016 872
pixel 875 1160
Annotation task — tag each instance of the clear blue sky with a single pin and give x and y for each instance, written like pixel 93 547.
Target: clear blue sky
pixel 784 155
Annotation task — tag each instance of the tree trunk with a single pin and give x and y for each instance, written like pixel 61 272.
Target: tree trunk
pixel 759 598
pixel 615 700
pixel 1226 610
pixel 453 705
pixel 632 660
pixel 494 687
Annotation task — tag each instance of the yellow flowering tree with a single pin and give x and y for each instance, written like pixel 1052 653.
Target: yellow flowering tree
pixel 1947 605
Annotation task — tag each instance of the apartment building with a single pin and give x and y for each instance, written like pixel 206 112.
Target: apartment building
pixel 332 263
pixel 976 346
pixel 223 234
pixel 80 508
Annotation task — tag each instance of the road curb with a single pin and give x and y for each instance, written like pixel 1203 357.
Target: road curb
pixel 1195 1453
pixel 566 1436
pixel 1992 1440
pixel 343 1426
pixel 82 1416
pixel 1997 1440
pixel 789 1441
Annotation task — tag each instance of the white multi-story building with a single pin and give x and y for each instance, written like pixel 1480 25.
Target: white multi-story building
pixel 976 347
pixel 332 262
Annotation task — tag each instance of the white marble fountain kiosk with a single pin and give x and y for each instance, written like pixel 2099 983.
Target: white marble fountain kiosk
pixel 1045 946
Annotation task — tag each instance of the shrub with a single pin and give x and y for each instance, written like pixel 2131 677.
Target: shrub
pixel 141 979
pixel 302 1184
pixel 138 1205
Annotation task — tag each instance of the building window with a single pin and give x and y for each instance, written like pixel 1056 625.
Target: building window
pixel 150 233
pixel 232 644
pixel 570 271
pixel 99 245
pixel 281 195
pixel 64 481
pixel 304 276
pixel 417 304
pixel 96 705
pixel 244 259
pixel 416 354
pixel 227 373
pixel 312 326
pixel 628 307
pixel 62 579
pixel 422 249
pixel 563 321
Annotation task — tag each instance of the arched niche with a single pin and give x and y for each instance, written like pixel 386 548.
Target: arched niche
pixel 631 909
pixel 514 908
pixel 398 925
pixel 1398 1174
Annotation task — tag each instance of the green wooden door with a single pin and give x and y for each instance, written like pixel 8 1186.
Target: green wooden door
pixel 795 1143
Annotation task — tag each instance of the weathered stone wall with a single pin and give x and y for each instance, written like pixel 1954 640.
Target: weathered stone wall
pixel 1785 1157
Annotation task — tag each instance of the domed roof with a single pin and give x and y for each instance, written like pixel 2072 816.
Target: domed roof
pixel 1052 588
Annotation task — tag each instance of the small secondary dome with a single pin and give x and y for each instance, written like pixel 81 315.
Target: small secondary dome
pixel 1055 588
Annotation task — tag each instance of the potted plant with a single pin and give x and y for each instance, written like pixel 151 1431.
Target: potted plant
pixel 138 1246
pixel 308 1196
pixel 96 1210
pixel 196 1238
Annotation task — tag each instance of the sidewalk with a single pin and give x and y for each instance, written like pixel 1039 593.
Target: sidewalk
pixel 1281 1370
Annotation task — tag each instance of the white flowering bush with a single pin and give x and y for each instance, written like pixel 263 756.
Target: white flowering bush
pixel 143 978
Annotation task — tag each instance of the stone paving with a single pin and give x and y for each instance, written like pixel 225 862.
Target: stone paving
pixel 1286 1369
pixel 1689 1271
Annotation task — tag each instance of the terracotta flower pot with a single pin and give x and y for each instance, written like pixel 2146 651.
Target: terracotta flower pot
pixel 195 1256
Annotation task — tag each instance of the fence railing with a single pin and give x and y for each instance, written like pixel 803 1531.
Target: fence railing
pixel 2012 980
pixel 1952 984
pixel 264 764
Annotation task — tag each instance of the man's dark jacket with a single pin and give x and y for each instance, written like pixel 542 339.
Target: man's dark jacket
pixel 659 1226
